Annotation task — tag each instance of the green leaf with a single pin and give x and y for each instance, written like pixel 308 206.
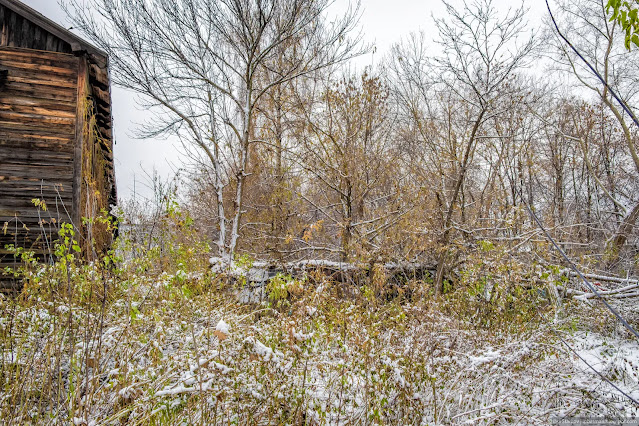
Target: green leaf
pixel 134 312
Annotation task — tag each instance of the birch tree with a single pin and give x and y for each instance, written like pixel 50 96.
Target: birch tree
pixel 200 66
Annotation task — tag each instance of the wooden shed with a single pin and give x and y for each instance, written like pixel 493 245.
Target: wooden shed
pixel 55 134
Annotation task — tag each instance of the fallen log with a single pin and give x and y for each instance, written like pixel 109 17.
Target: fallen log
pixel 619 293
pixel 599 277
pixel 260 273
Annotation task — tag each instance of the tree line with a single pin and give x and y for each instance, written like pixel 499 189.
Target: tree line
pixel 429 155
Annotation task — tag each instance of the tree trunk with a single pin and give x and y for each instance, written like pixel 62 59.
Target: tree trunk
pixel 441 261
pixel 219 184
pixel 241 174
pixel 623 233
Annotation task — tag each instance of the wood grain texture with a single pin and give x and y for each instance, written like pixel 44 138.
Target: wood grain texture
pixel 18 31
pixel 38 108
pixel 56 141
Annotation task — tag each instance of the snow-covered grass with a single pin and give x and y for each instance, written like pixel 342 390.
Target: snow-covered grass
pixel 159 338
pixel 172 348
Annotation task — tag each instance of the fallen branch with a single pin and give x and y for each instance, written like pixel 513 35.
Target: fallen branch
pixel 619 293
pixel 261 272
pixel 605 278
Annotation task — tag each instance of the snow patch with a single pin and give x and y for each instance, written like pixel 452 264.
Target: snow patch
pixel 222 327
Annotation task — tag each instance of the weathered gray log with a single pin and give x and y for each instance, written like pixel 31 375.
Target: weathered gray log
pixel 258 275
pixel 342 272
pixel 621 287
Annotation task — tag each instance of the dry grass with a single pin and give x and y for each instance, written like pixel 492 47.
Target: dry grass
pixel 138 342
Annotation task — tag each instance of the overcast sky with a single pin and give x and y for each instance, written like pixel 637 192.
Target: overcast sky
pixel 383 23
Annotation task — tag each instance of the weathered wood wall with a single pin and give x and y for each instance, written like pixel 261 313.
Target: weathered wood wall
pixel 97 179
pixel 16 31
pixel 55 135
pixel 37 135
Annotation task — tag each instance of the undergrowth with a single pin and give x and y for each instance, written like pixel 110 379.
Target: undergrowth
pixel 148 335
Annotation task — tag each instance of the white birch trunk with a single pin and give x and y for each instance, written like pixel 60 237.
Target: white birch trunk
pixel 241 175
pixel 219 184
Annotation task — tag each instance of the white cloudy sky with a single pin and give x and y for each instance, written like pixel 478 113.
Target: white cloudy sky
pixel 383 22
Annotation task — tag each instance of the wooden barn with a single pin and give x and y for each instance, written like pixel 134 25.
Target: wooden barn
pixel 55 135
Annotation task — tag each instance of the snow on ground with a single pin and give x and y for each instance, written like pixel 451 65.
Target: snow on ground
pixel 319 360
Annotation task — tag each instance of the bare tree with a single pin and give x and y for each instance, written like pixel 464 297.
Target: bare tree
pixel 349 156
pixel 482 51
pixel 202 67
pixel 605 67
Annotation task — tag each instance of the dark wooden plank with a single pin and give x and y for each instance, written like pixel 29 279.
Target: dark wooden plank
pixel 26 153
pixel 11 22
pixel 37 126
pixel 28 220
pixel 100 75
pixel 46 173
pixel 37 81
pixel 34 138
pixel 29 184
pixel 38 92
pixel 37 110
pixel 29 195
pixel 38 106
pixel 26 208
pixel 3 27
pixel 71 42
pixel 36 56
pixel 30 64
pixel 54 187
pixel 30 161
pixel 56 209
pixel 49 70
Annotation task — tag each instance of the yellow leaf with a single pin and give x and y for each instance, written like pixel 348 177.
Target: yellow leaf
pixel 220 335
